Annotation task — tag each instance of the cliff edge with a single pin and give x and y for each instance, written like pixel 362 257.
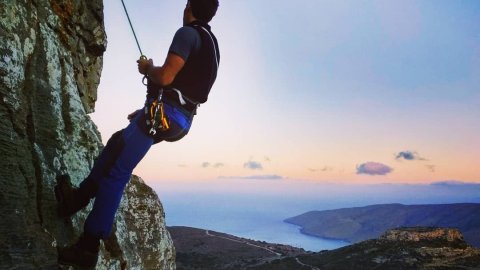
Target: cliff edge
pixel 50 66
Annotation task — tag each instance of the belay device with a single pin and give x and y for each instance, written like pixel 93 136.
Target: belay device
pixel 154 112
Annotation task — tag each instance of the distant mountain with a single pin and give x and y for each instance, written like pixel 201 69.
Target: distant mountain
pixel 362 223
pixel 398 249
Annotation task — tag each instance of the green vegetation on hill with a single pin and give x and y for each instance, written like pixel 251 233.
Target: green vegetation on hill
pixel 208 250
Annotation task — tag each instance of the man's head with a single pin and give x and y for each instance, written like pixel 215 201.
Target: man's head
pixel 202 10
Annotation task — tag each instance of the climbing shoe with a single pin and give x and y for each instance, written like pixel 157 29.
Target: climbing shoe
pixel 71 199
pixel 83 254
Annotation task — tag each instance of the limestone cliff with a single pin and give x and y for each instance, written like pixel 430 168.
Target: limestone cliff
pixel 50 65
pixel 417 234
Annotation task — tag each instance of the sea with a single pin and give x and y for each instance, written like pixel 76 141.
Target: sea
pixel 260 215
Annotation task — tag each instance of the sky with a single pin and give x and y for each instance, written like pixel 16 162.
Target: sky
pixel 353 92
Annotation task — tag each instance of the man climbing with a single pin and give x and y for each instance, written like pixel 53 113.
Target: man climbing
pixel 174 92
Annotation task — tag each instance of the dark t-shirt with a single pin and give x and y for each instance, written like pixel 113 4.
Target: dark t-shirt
pixel 185 41
pixel 197 45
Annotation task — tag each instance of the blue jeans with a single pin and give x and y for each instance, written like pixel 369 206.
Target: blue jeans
pixel 114 167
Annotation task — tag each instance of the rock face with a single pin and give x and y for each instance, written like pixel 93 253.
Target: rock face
pixel 140 232
pixel 423 234
pixel 50 65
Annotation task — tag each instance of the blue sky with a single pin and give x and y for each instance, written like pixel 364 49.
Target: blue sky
pixel 313 90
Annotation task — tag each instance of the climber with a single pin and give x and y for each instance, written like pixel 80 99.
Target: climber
pixel 183 82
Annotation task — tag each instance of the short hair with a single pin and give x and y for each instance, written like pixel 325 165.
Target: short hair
pixel 204 10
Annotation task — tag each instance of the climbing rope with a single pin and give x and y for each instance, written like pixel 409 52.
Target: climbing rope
pixel 142 56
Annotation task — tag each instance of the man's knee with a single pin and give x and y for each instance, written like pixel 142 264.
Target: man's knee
pixel 113 149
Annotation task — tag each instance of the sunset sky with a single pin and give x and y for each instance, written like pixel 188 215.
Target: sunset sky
pixel 324 91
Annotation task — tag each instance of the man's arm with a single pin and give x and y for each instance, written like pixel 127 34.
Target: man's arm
pixel 162 75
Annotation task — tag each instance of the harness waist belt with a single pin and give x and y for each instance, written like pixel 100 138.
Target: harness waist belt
pixel 176 97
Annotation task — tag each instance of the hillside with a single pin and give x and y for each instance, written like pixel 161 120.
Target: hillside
pixel 398 249
pixel 362 223
pixel 203 249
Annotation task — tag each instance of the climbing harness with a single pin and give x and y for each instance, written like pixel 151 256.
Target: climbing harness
pixel 154 112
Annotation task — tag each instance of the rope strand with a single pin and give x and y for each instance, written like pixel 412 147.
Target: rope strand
pixel 133 31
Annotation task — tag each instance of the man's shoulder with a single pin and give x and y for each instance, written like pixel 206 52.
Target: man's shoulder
pixel 186 41
pixel 187 31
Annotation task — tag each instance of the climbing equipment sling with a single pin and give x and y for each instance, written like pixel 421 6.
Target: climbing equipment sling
pixel 155 115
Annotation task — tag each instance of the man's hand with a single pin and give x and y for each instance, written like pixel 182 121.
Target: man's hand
pixel 144 65
pixel 162 75
pixel 132 115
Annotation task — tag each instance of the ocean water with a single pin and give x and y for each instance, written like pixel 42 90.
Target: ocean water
pixel 289 234
pixel 260 215
pixel 239 216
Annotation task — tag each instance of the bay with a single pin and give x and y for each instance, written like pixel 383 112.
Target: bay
pixel 258 213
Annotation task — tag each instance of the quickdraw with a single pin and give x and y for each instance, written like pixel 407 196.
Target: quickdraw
pixel 157 118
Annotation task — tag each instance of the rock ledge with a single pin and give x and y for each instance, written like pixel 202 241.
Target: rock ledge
pixel 417 234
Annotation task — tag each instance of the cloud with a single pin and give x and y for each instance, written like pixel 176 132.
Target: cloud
pixel 254 177
pixel 327 169
pixel 431 167
pixel 323 169
pixel 253 165
pixel 215 165
pixel 450 183
pixel 408 155
pixel 373 168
